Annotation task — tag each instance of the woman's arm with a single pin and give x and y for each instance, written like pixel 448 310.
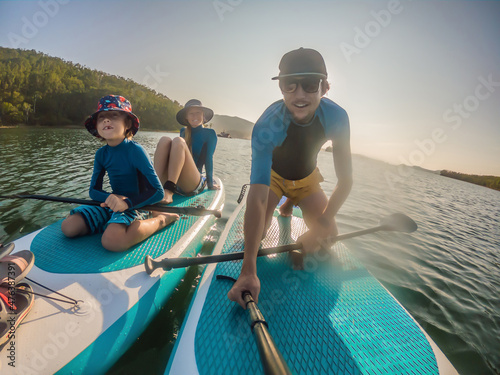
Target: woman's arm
pixel 209 162
pixel 153 190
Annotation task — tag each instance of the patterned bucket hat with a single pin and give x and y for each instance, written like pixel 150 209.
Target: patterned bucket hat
pixel 112 103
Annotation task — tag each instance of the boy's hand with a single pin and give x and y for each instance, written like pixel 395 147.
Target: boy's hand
pixel 116 203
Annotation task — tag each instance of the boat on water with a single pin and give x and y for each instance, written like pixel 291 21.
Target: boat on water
pixel 105 300
pixel 331 317
pixel 223 134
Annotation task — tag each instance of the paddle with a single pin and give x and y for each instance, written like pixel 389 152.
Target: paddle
pixel 270 356
pixel 396 222
pixel 194 211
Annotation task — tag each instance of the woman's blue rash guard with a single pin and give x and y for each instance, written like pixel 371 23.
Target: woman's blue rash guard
pixel 130 174
pixel 271 130
pixel 204 141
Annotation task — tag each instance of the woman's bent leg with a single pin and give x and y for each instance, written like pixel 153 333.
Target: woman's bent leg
pixel 162 157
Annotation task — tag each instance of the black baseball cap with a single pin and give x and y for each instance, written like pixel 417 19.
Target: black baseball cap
pixel 302 62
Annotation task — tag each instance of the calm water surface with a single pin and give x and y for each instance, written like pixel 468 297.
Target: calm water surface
pixel 447 274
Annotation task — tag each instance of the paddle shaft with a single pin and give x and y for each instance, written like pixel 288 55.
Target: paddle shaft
pixel 358 233
pixel 195 211
pixel 270 356
pixel 170 263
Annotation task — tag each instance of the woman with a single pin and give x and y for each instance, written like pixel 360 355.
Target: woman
pixel 179 162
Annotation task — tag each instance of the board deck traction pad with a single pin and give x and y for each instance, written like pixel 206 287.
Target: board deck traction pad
pixel 87 255
pixel 333 317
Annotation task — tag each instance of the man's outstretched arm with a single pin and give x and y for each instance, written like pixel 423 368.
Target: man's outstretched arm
pixel 253 228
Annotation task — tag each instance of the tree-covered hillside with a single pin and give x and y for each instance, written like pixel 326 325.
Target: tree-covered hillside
pixel 36 89
pixel 492 182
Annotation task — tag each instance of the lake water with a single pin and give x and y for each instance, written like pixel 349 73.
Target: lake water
pixel 447 274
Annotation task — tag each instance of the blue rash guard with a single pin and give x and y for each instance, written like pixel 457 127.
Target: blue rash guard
pixel 203 145
pixel 273 129
pixel 130 174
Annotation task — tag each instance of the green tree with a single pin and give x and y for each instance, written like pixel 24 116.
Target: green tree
pixel 26 108
pixel 60 92
pixel 10 114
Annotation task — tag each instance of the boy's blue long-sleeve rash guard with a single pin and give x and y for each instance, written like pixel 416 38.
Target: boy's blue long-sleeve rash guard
pixel 203 145
pixel 130 174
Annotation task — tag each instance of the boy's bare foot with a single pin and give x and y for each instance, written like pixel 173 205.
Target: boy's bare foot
pixel 168 198
pixel 167 218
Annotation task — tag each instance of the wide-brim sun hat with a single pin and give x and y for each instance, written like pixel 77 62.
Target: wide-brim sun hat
pixel 302 62
pixel 181 115
pixel 112 103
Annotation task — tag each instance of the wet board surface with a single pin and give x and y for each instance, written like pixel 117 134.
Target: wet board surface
pixel 116 298
pixel 56 253
pixel 332 317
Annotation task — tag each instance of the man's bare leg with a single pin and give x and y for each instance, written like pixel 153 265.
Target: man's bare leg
pixel 272 202
pixel 286 209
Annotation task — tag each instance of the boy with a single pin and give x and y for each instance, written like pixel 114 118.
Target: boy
pixel 132 178
pixel 285 143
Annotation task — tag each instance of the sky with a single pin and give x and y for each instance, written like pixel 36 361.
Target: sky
pixel 420 80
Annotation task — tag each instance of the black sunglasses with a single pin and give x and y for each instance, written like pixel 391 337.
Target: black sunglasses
pixel 309 85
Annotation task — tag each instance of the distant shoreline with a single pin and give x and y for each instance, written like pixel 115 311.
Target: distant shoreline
pixel 24 126
pixel 18 126
pixel 489 181
pixel 492 182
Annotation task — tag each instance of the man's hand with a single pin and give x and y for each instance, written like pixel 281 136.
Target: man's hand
pixel 116 203
pixel 322 235
pixel 245 283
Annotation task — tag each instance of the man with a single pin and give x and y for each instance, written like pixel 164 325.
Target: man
pixel 285 144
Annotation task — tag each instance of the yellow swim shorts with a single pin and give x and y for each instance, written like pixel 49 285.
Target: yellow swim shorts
pixel 296 190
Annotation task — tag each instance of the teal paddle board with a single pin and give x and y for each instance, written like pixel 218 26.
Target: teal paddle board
pixel 332 317
pixel 116 299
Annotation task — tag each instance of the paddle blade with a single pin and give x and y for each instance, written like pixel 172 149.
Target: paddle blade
pixel 148 263
pixel 399 222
